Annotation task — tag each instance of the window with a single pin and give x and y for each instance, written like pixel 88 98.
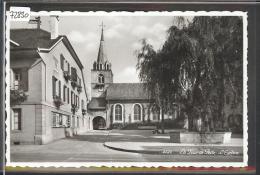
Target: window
pixel 73 121
pixel 82 104
pixel 59 90
pixel 77 121
pixel 56 63
pixel 77 100
pixel 101 79
pixel 60 120
pixel 68 93
pixel 68 67
pixel 118 112
pixel 62 61
pixel 54 86
pixel 74 74
pixel 17 76
pixel 16 123
pixel 64 93
pixel 137 112
pixel 79 81
pixel 155 116
pixel 17 79
pixel 72 97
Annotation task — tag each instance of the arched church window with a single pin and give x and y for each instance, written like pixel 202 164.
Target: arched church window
pixel 101 79
pixel 100 66
pixel 118 112
pixel 137 112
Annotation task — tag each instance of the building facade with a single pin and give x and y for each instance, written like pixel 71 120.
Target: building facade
pixel 45 68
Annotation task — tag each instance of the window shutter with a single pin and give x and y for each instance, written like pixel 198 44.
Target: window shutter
pixel 82 104
pixel 62 62
pixel 74 74
pixel 53 86
pixel 68 93
pixel 59 89
pixel 54 119
pixel 19 119
pixel 64 93
pixel 71 96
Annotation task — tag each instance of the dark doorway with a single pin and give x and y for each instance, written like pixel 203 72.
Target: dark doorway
pixel 99 123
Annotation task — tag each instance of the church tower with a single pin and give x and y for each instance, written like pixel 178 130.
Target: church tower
pixel 101 74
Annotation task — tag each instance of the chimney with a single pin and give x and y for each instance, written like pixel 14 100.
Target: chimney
pixel 54 20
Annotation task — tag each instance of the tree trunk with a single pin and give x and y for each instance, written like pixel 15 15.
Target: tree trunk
pixel 162 120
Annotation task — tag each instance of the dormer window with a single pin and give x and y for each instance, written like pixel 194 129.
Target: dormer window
pixel 101 79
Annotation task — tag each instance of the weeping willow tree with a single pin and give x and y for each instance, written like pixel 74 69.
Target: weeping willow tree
pixel 200 60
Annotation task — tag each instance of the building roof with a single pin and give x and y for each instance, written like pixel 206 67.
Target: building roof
pixel 32 38
pixel 40 39
pixel 97 103
pixel 102 57
pixel 127 91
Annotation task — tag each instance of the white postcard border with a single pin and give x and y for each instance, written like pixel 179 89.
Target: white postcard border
pixel 135 164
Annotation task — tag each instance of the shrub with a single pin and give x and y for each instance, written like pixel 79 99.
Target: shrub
pixel 117 126
pixel 133 126
pixel 172 123
pixel 57 101
pixel 17 97
pixel 66 75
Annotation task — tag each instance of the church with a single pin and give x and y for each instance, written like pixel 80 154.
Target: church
pixel 114 105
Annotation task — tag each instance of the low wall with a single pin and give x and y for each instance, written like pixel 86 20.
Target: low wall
pixel 197 137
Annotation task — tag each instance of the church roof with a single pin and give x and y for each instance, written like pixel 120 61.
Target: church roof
pixel 97 103
pixel 102 58
pixel 127 91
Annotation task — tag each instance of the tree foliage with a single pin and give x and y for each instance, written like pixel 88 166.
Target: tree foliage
pixel 199 61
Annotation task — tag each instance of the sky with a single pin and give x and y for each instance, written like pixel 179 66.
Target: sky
pixel 122 37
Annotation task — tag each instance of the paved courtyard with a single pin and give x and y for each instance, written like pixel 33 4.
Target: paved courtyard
pixel 89 147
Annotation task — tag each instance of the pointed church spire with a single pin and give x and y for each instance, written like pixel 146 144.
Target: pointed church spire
pixel 102 32
pixel 101 59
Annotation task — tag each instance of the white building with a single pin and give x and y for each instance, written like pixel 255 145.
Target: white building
pixel 46 68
